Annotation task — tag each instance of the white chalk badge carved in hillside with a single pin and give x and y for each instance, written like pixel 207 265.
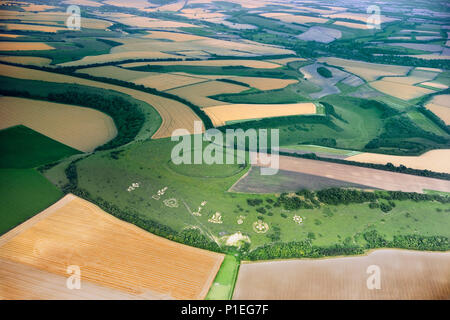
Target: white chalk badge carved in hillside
pixel 233 139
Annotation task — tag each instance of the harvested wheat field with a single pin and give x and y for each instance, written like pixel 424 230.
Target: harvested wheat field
pixel 440 106
pixel 400 90
pixel 232 112
pixel 23 46
pixel 167 81
pixel 22 282
pixel 37 7
pixel 199 93
pixel 111 253
pixel 377 179
pixel 117 57
pixel 435 160
pixel 30 27
pixel 174 114
pixel 114 72
pixel 52 18
pixel 435 85
pixel 36 61
pixel 88 3
pixel 8 35
pixel 367 71
pixel 81 128
pixel 144 22
pixel 209 63
pixel 350 25
pixel 407 275
pixel 173 36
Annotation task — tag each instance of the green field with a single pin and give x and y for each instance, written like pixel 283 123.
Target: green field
pixel 102 177
pixel 22 147
pixel 23 193
pixel 223 285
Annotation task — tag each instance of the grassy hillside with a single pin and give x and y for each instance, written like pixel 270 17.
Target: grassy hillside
pixel 23 193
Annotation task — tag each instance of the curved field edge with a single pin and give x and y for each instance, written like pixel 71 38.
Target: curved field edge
pixel 134 119
pixel 167 105
pixel 329 228
pixel 111 252
pixel 81 128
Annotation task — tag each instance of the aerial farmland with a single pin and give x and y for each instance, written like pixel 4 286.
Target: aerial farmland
pixel 219 150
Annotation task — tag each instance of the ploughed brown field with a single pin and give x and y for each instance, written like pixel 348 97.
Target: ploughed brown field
pixel 378 179
pixel 116 259
pixel 404 275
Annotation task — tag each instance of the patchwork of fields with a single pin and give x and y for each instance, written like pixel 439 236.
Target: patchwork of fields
pixel 88 175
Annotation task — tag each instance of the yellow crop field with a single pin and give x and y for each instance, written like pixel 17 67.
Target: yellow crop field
pixel 265 83
pixel 400 90
pixel 113 57
pixel 174 114
pixel 198 93
pixel 174 36
pixel 414 77
pixel 109 253
pixel 36 61
pixel 30 27
pixel 240 48
pixel 135 4
pixel 366 70
pixel 210 63
pixel 88 3
pixel 23 46
pixel 37 7
pixel 158 81
pixel 435 160
pixel 81 128
pixel 435 85
pixel 350 25
pixel 440 106
pixel 7 35
pixel 51 18
pixel 144 22
pixel 114 73
pixel 346 277
pixel 167 81
pixel 232 112
pixel 290 18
